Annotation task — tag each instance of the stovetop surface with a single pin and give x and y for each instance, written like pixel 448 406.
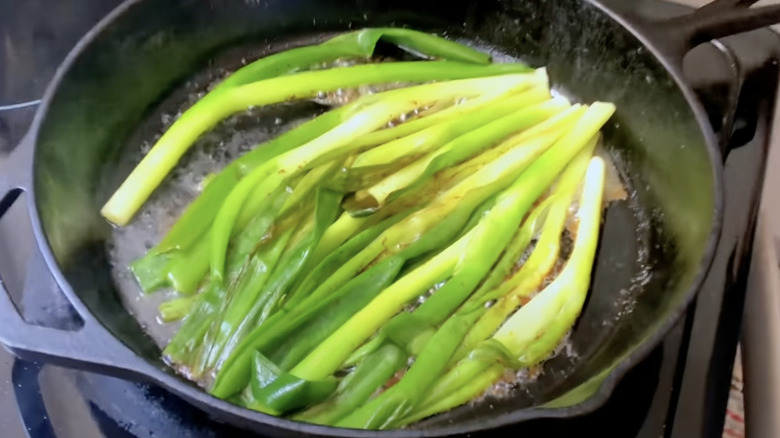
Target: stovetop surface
pixel 679 391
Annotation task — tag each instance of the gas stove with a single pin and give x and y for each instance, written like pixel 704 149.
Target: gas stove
pixel 679 391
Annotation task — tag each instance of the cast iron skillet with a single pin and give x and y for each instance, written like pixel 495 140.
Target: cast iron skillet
pixel 75 155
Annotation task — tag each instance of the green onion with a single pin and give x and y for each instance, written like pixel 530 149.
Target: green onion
pixel 176 309
pixel 379 109
pixel 503 219
pixel 512 292
pixel 387 260
pixel 235 371
pixel 483 134
pixel 534 330
pixel 369 375
pixel 356 44
pixel 164 155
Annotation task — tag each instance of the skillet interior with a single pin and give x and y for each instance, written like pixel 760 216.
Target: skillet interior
pixel 652 246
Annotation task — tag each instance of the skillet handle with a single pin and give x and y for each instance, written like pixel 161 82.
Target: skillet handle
pixel 675 37
pixel 91 347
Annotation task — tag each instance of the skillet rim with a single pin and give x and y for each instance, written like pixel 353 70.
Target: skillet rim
pixel 246 418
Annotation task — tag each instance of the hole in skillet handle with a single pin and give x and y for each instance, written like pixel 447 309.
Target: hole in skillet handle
pixel 90 346
pixel 15 244
pixel 676 37
pixel 23 269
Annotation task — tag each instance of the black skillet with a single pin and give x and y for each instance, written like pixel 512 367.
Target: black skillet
pixel 656 247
